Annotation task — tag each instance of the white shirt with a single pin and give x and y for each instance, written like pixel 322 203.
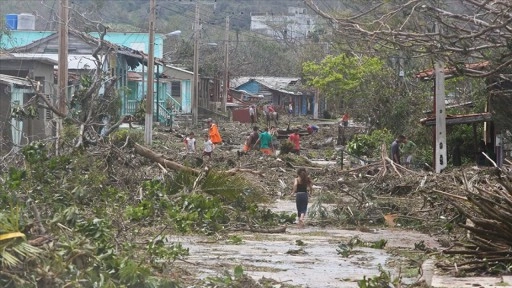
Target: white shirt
pixel 208 146
pixel 191 145
pixel 251 111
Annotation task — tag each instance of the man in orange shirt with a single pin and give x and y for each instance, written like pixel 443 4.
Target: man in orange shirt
pixel 213 131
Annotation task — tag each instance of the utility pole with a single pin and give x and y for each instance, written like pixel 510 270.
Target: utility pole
pixel 226 66
pixel 148 123
pixel 195 97
pixel 63 64
pixel 440 137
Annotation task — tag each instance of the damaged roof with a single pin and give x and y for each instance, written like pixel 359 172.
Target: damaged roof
pixel 8 79
pixel 452 71
pixel 459 119
pixel 281 84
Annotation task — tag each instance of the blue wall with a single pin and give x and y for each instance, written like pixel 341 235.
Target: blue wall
pixel 251 87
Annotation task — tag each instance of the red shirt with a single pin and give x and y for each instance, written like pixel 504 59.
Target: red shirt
pixel 295 139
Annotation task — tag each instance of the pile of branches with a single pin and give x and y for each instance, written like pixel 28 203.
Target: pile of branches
pixel 488 210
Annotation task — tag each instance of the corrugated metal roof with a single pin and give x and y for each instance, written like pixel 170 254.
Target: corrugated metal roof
pixel 271 82
pixel 8 79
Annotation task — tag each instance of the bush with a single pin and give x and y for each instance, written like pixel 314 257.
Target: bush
pixel 369 144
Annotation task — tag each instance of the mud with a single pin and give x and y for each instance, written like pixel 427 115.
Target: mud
pixel 312 263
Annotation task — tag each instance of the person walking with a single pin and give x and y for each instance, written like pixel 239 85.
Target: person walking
pixel 252 114
pixel 190 143
pixel 395 148
pixel 290 109
pixel 208 147
pixel 302 188
pixel 213 131
pixel 295 139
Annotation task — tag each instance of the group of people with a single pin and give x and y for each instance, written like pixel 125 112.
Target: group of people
pixel 210 140
pixel 266 142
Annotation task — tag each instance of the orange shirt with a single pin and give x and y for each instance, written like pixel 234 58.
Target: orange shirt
pixel 214 134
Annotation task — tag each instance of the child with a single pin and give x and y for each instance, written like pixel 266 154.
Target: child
pixel 208 147
pixel 190 143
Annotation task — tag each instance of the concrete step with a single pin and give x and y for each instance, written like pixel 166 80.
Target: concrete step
pixel 435 279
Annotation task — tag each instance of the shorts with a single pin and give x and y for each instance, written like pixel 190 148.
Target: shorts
pixel 301 200
pixel 247 148
pixel 345 123
pixel 209 154
pixel 266 151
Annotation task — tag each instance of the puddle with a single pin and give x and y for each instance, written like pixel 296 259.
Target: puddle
pixel 265 255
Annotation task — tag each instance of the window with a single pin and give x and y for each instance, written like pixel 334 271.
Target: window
pixel 176 89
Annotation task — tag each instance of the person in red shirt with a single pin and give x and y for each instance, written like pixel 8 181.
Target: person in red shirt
pixel 344 119
pixel 295 139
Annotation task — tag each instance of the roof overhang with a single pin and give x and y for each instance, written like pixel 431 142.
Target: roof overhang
pixel 459 119
pixel 8 79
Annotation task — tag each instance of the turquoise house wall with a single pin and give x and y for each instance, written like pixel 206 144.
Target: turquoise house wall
pixel 17 38
pixel 137 41
pixel 186 96
pixel 252 87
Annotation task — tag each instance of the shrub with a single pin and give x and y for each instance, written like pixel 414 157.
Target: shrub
pixel 369 144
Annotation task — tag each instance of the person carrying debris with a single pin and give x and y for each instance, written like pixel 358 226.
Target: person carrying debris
pixel 311 128
pixel 213 131
pixel 302 188
pixel 395 148
pixel 295 139
pixel 265 141
pixel 408 148
pixel 190 143
pixel 251 139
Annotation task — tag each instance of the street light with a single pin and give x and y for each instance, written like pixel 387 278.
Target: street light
pixel 174 33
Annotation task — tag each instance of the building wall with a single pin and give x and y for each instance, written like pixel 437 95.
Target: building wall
pixel 137 41
pixel 297 26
